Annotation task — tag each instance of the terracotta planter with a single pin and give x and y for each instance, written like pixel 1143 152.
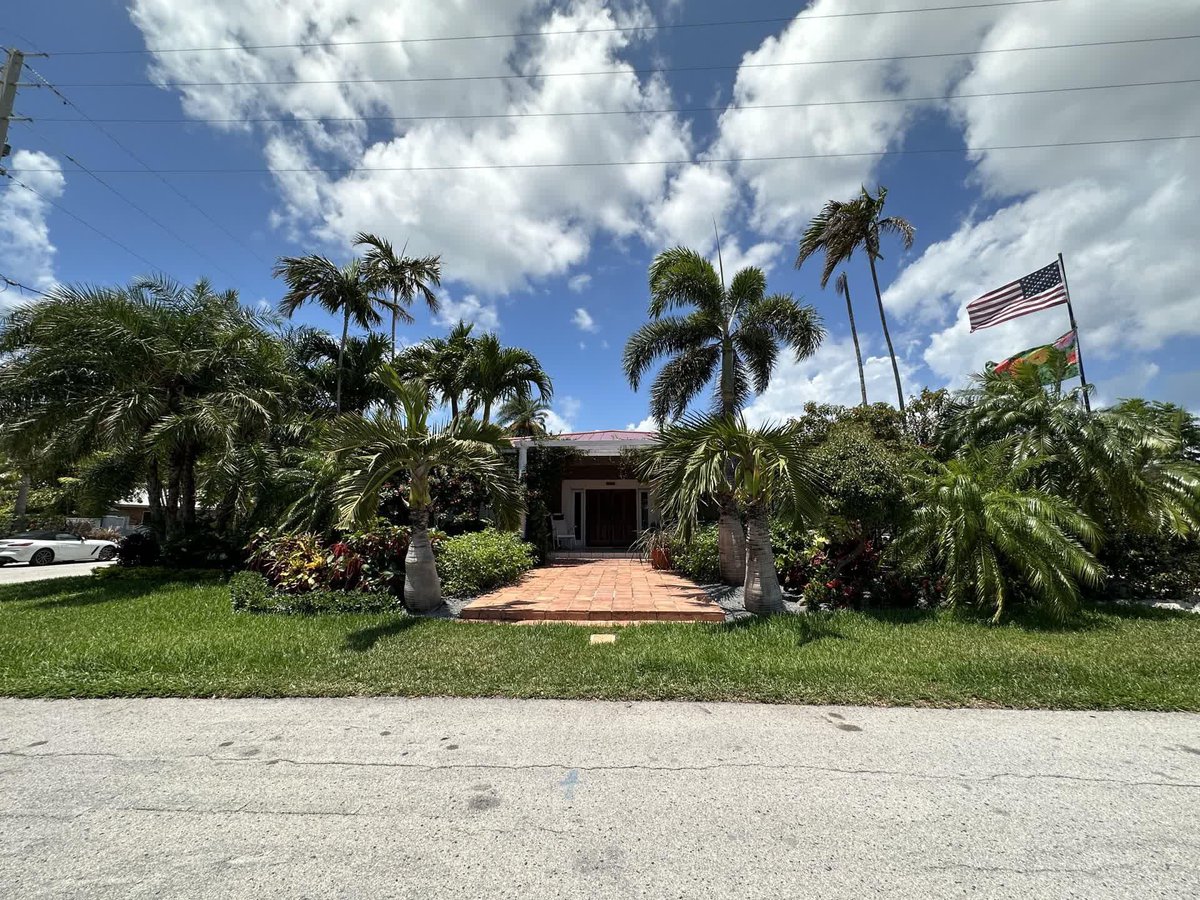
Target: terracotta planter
pixel 660 558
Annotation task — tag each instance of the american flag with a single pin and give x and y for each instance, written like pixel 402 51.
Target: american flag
pixel 1039 290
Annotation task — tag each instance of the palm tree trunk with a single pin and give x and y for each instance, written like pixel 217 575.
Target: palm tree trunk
pixel 341 356
pixel 886 335
pixel 731 542
pixel 862 378
pixel 187 493
pixel 21 505
pixel 422 587
pixel 731 537
pixel 454 406
pixel 395 316
pixel 763 595
pixel 487 411
pixel 154 505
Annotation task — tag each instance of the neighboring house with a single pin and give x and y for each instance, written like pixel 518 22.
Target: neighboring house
pixel 124 516
pixel 601 509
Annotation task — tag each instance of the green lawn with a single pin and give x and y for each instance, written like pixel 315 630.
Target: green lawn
pixel 158 635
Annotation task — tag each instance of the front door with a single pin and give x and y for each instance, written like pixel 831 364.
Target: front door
pixel 611 518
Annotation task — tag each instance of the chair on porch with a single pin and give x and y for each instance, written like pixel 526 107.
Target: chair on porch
pixel 564 532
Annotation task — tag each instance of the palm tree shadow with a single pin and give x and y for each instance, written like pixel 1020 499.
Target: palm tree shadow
pixel 366 638
pixel 809 628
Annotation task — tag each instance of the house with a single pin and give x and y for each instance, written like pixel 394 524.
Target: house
pixel 601 505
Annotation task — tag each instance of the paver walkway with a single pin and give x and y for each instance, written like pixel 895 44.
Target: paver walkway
pixel 597 590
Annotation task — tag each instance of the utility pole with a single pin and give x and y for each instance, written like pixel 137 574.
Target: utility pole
pixel 8 95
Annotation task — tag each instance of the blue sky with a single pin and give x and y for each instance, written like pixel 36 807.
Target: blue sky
pixel 525 250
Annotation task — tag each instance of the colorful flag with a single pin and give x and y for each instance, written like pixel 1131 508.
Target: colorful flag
pixel 1042 357
pixel 1038 290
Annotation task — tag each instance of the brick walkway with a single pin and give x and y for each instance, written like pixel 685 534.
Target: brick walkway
pixel 607 590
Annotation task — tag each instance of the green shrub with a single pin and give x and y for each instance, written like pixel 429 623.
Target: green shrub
pixel 480 561
pixel 251 592
pixel 699 558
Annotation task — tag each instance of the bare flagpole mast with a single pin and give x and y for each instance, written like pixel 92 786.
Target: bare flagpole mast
pixel 1062 270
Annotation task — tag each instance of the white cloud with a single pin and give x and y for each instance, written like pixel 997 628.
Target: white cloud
pixel 497 229
pixel 469 309
pixel 578 283
pixel 26 252
pixel 1123 215
pixel 829 376
pixel 562 417
pixel 583 320
pixel 647 424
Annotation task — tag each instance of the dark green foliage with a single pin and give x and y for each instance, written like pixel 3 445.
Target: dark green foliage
pixel 202 548
pixel 544 471
pixel 474 563
pixel 251 592
pixel 1150 568
pixel 698 558
pixel 138 549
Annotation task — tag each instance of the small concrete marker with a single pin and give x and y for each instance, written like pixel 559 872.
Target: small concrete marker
pixel 603 639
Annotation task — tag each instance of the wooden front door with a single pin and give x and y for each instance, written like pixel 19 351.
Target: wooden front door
pixel 611 518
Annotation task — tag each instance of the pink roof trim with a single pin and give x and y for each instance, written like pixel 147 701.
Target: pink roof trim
pixel 602 435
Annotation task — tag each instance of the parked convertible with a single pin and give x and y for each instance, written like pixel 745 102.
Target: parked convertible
pixel 40 548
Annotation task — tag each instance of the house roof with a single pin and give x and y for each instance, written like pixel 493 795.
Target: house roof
pixel 591 443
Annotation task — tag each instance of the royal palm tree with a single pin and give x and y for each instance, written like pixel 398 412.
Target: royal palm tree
pixel 524 417
pixel 842 286
pixel 982 527
pixel 764 470
pixel 346 290
pixel 843 228
pixel 442 364
pixel 398 440
pixel 404 276
pixel 729 337
pixel 495 374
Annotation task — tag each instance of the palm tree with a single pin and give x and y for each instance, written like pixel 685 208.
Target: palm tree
pixel 524 417
pixel 495 373
pixel 842 286
pixel 315 355
pixel 347 290
pixel 404 276
pixel 168 381
pixel 441 363
pixel 841 229
pixel 764 470
pixel 375 449
pixel 730 337
pixel 981 529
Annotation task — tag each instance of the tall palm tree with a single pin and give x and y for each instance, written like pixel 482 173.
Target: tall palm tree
pixel 442 364
pixel 400 439
pixel 404 276
pixel 842 286
pixel 346 290
pixel 524 417
pixel 495 373
pixel 729 337
pixel 982 530
pixel 841 229
pixel 315 355
pixel 764 470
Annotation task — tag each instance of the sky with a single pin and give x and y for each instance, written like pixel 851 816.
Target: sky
pixel 387 120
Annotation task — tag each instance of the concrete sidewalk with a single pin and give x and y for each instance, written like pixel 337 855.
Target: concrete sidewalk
pixel 23 572
pixel 489 798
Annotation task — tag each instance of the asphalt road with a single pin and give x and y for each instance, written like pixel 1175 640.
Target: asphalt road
pixel 484 798
pixel 19 573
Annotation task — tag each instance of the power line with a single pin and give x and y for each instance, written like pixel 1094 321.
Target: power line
pixel 774 20
pixel 81 221
pixel 627 112
pixel 626 71
pixel 161 225
pixel 901 151
pixel 112 137
pixel 24 288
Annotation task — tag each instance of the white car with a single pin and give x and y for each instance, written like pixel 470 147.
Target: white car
pixel 40 548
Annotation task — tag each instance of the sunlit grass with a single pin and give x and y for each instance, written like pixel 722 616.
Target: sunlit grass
pixel 162 635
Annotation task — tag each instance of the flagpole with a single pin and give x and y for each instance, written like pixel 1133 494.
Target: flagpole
pixel 1062 269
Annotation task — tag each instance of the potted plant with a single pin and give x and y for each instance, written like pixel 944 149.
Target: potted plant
pixel 654 544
